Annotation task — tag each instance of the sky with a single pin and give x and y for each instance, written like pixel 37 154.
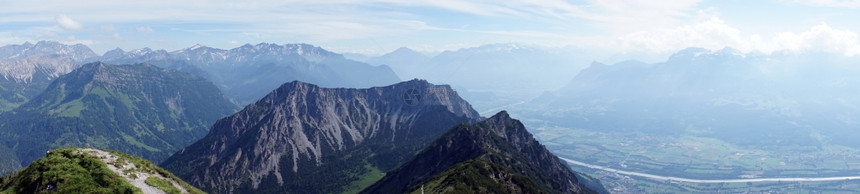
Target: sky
pixel 375 27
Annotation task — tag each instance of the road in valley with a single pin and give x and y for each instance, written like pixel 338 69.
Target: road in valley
pixel 679 179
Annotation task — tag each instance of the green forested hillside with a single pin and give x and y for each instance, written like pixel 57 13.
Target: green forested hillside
pixel 142 110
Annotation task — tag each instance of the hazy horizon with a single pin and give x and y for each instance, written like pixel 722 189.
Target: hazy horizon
pixel 378 27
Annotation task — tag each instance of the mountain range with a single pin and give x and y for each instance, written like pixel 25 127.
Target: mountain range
pixel 249 72
pixel 306 139
pixel 492 75
pixel 308 136
pixel 244 74
pixel 138 109
pixel 782 98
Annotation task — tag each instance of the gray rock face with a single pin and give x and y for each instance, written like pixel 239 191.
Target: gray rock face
pixel 300 128
pixel 27 69
pixel 20 63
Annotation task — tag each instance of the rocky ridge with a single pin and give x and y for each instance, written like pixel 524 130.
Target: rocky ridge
pixel 497 155
pixel 301 129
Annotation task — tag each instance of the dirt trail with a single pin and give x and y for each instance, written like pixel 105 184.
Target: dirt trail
pixel 137 177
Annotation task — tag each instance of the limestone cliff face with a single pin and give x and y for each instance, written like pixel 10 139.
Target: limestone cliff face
pixel 497 155
pixel 301 130
pixel 21 63
pixel 27 69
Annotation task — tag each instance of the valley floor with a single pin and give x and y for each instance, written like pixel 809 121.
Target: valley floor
pixel 636 162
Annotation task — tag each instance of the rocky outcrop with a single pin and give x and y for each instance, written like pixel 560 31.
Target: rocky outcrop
pixel 301 130
pixel 27 69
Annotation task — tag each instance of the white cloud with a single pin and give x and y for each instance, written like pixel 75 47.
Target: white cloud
pixel 624 16
pixel 711 34
pixel 642 25
pixel 68 23
pixel 715 34
pixel 337 30
pixel 819 38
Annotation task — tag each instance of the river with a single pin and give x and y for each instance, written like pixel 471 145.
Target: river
pixel 679 179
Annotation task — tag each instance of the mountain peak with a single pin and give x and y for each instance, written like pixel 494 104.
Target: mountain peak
pixel 484 160
pixel 196 48
pixel 303 129
pixel 416 81
pixel 77 52
pixel 404 49
pixel 405 53
pixel 297 84
pixel 48 43
pixel 143 50
pixel 115 52
pixel 501 115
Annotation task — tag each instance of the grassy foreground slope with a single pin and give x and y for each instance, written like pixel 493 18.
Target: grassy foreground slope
pixel 87 170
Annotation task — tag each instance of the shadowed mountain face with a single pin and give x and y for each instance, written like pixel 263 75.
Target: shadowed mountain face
pixel 496 155
pixel 138 109
pixel 249 72
pixel 302 138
